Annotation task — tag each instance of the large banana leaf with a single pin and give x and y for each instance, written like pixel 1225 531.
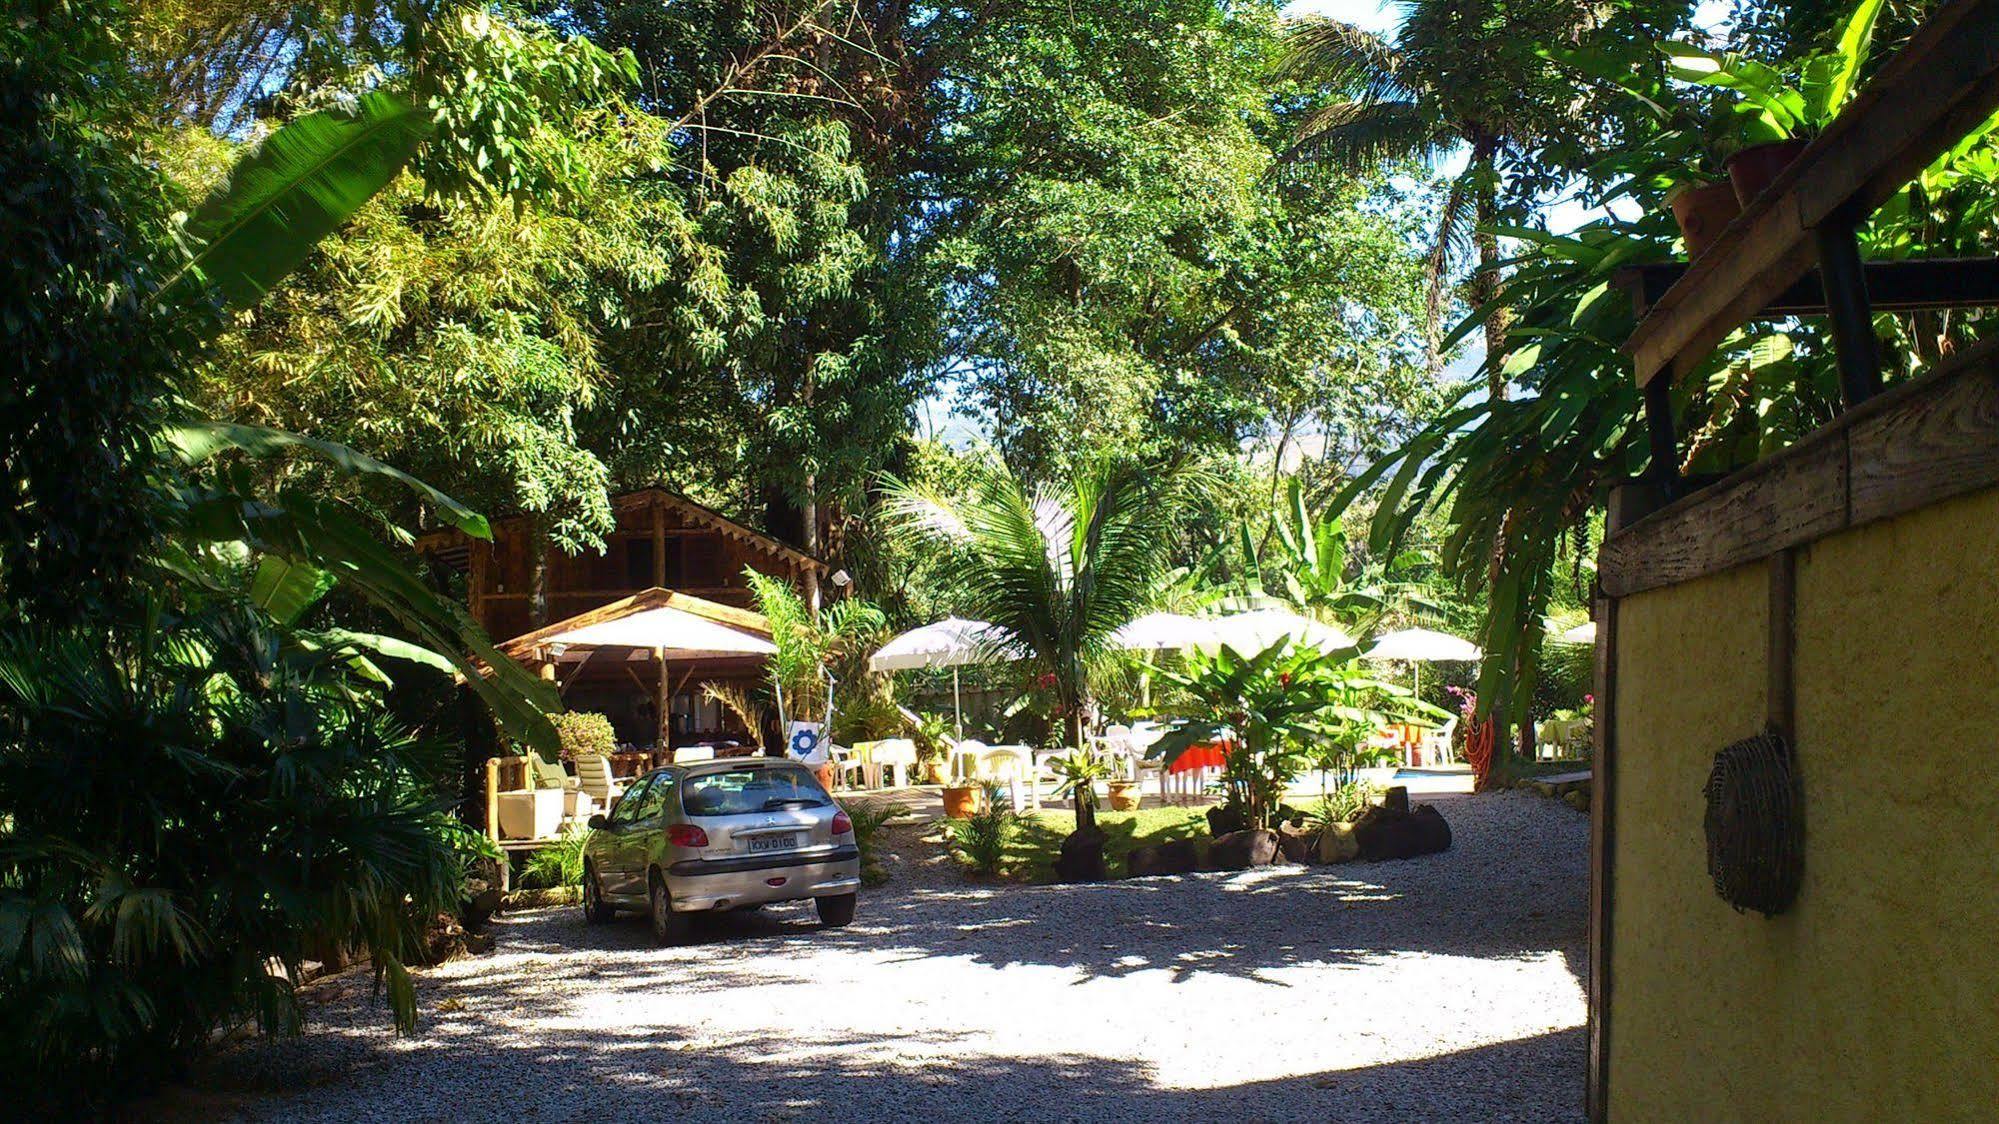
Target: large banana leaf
pixel 295 188
pixel 326 535
pixel 198 441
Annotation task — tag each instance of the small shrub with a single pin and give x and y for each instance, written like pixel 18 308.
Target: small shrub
pixel 558 864
pixel 584 733
pixel 1344 802
pixel 981 840
pixel 868 817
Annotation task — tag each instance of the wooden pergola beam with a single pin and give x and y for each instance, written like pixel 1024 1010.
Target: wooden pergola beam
pixel 1892 286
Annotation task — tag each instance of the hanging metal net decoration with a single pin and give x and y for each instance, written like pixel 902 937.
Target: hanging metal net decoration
pixel 1755 825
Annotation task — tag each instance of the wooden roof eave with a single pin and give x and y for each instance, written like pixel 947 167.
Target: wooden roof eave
pixel 447 538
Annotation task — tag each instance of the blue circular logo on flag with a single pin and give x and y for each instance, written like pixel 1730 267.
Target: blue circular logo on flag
pixel 804 742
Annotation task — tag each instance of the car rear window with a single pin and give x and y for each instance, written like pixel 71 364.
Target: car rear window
pixel 736 792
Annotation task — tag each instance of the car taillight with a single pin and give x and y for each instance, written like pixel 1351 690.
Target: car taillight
pixel 842 825
pixel 686 835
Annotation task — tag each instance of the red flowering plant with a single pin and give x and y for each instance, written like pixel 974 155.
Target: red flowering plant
pixel 1278 712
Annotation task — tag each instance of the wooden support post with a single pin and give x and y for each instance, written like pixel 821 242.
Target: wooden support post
pixel 1781 697
pixel 1845 283
pixel 1664 472
pixel 493 800
pixel 665 700
pixel 481 576
pixel 659 544
pixel 539 552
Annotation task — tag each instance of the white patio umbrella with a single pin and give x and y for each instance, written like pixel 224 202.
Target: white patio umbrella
pixel 1418 646
pixel 1423 645
pixel 1164 632
pixel 1584 633
pixel 951 642
pixel 679 634
pixel 1258 629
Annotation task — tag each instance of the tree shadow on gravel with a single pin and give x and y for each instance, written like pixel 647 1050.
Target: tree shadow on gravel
pixel 638 1074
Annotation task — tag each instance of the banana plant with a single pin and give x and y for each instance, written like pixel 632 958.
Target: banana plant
pixel 1274 709
pixel 293 189
pixel 305 543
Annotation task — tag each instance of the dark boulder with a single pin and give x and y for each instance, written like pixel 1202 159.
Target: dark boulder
pixel 1178 856
pixel 1385 832
pixel 479 908
pixel 1082 857
pixel 1225 819
pixel 1240 850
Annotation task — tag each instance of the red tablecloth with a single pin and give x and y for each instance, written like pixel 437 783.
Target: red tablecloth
pixel 1212 755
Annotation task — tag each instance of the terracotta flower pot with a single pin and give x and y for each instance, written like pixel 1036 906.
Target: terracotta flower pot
pixel 960 801
pixel 1703 212
pixel 1753 168
pixel 1124 796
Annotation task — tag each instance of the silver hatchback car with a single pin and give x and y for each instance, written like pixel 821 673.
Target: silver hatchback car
pixel 720 835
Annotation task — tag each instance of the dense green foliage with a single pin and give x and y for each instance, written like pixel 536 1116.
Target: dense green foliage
pixel 198 800
pixel 88 358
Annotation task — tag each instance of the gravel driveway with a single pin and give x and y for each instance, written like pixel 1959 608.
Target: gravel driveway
pixel 1447 987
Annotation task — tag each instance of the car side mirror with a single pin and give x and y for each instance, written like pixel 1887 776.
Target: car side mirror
pixel 598 822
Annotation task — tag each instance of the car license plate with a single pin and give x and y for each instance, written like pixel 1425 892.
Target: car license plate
pixel 786 842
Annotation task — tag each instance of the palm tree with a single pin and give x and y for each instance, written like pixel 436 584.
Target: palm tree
pixel 1460 74
pixel 1059 569
pixel 1452 79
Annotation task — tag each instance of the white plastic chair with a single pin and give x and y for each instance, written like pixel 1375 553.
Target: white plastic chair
pixel 891 754
pixel 593 776
pixel 693 753
pixel 1437 743
pixel 1011 764
pixel 964 759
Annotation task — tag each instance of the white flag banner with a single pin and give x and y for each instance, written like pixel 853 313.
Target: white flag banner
pixel 806 743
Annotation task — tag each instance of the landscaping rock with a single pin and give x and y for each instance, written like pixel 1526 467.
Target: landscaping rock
pixel 1297 843
pixel 1577 798
pixel 1224 820
pixel 1082 857
pixel 1337 843
pixel 1178 856
pixel 1384 833
pixel 1240 850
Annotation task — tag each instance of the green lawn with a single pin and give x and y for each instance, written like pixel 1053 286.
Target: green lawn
pixel 1031 855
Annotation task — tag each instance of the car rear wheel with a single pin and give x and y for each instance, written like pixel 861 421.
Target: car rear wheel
pixel 595 910
pixel 835 912
pixel 668 924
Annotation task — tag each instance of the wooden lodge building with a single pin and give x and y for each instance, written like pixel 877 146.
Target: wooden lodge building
pixel 518 586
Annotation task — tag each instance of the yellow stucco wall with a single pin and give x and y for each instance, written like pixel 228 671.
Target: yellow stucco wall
pixel 1876 997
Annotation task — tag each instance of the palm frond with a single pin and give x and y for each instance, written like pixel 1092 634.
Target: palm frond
pixel 1350 61
pixel 1353 136
pixel 1455 223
